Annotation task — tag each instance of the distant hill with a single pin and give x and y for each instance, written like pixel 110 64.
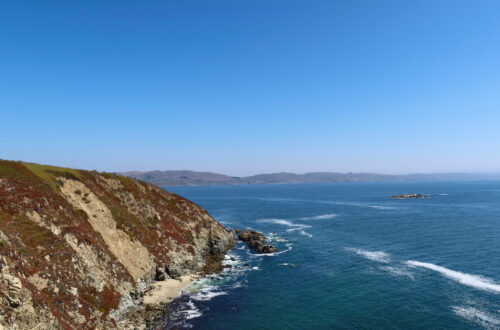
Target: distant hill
pixel 193 178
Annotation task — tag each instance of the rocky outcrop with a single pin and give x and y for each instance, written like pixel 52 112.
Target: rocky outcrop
pixel 255 241
pixel 409 196
pixel 79 248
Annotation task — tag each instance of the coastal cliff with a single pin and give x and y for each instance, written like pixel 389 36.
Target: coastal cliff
pixel 78 249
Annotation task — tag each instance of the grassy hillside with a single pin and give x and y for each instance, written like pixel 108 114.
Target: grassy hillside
pixel 74 244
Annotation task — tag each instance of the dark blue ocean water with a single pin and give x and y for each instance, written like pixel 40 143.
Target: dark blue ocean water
pixel 351 257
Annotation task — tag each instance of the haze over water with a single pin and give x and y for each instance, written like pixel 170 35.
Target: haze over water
pixel 351 257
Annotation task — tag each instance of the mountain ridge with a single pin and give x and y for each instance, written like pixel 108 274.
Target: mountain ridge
pixel 195 178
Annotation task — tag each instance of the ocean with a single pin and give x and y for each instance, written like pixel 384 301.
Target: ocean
pixel 352 258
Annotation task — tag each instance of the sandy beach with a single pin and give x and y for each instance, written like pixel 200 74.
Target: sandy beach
pixel 166 291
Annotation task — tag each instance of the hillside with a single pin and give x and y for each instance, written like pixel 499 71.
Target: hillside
pixel 193 178
pixel 183 178
pixel 79 248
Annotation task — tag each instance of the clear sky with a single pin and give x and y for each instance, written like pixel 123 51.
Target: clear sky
pixel 243 87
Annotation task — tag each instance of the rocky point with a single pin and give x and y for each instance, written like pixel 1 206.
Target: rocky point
pixel 78 249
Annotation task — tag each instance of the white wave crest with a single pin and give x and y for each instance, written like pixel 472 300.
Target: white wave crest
pixel 476 281
pixel 192 312
pixel 294 226
pixel 484 319
pixel 285 223
pixel 378 256
pixel 207 293
pixel 380 207
pixel 398 271
pixel 320 217
pixel 302 232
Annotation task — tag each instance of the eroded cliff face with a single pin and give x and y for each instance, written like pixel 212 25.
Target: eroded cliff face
pixel 78 248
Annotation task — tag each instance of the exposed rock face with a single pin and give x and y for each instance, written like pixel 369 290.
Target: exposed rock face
pixel 256 241
pixel 78 248
pixel 409 196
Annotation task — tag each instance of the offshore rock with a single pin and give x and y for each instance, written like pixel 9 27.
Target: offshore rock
pixel 409 196
pixel 255 241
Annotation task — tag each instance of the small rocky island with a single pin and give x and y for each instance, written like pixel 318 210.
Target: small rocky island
pixel 410 196
pixel 255 241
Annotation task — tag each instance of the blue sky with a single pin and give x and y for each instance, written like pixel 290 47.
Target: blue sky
pixel 243 87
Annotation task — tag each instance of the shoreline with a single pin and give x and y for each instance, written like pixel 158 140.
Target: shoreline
pixel 166 291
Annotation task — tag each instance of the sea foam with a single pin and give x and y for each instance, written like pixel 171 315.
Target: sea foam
pixel 484 319
pixel 302 232
pixel 284 222
pixel 398 271
pixel 476 281
pixel 207 293
pixel 192 311
pixel 378 256
pixel 294 226
pixel 320 217
pixel 381 207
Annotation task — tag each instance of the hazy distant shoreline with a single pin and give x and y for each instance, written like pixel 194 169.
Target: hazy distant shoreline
pixel 194 178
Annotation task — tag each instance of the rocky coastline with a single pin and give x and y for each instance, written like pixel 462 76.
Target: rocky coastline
pixel 81 249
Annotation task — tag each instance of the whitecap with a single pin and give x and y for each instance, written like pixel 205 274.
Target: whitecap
pixel 302 232
pixel 207 293
pixel 398 271
pixel 295 226
pixel 378 256
pixel 284 222
pixel 484 319
pixel 360 204
pixel 320 217
pixel 476 281
pixel 192 312
pixel 380 207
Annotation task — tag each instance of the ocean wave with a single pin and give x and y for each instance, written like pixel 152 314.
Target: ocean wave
pixel 398 271
pixel 294 226
pixel 301 231
pixel 192 311
pixel 378 256
pixel 476 281
pixel 320 217
pixel 284 222
pixel 381 207
pixel 207 294
pixel 237 285
pixel 273 237
pixel 484 319
pixel 181 311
